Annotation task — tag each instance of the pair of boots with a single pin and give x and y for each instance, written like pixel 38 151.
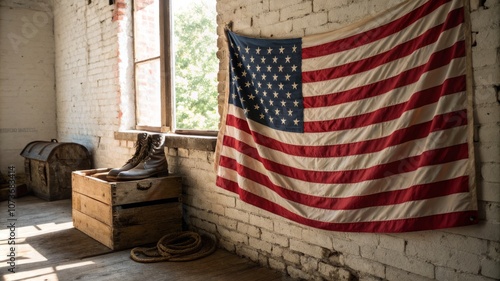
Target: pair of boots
pixel 148 160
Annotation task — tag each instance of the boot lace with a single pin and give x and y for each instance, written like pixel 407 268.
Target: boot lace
pixel 141 148
pixel 155 142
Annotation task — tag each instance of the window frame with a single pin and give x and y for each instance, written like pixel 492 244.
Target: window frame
pixel 167 93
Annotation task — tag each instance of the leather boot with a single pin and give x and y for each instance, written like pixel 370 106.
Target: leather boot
pixel 141 151
pixel 154 164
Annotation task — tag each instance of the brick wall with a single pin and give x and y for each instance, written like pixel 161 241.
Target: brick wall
pixel 94 76
pixel 27 80
pixel 93 97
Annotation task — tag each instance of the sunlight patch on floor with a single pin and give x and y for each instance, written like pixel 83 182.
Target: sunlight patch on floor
pixel 36 274
pixel 25 254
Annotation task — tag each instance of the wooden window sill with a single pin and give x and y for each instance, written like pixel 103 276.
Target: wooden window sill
pixel 203 143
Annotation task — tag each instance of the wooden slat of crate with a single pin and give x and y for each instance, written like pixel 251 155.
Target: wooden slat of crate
pixel 93 208
pixel 92 184
pixel 93 228
pixel 145 224
pixel 83 183
pixel 131 227
pixel 148 214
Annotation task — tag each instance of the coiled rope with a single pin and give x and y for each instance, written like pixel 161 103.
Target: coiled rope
pixel 180 246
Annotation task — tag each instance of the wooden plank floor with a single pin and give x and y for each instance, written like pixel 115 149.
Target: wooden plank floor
pixel 48 247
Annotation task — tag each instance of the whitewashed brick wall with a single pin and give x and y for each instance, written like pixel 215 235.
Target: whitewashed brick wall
pixel 27 80
pixel 94 76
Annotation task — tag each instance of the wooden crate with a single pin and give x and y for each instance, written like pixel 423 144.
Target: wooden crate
pixel 125 214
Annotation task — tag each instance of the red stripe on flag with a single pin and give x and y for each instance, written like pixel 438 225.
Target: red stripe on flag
pixel 418 131
pixel 436 60
pixel 418 99
pixel 240 124
pixel 438 221
pixel 412 193
pixel 454 19
pixel 427 158
pixel 373 34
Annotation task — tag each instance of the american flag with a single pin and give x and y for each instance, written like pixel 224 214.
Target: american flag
pixel 362 129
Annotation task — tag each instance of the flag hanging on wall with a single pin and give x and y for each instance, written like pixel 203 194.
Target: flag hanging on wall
pixel 362 129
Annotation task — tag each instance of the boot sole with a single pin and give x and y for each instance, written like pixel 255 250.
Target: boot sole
pixel 111 178
pixel 157 175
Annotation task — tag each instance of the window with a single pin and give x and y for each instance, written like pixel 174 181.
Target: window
pixel 175 46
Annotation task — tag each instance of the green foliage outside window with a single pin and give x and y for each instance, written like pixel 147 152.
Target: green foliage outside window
pixel 196 66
